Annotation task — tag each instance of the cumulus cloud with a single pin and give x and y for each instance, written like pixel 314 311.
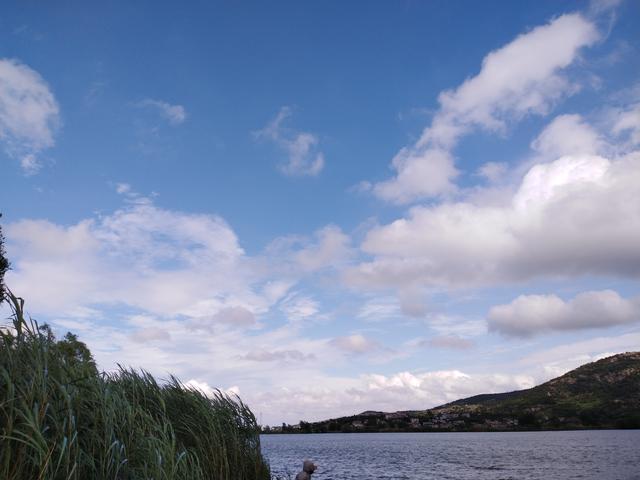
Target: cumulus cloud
pixel 576 215
pixel 174 114
pixel 160 261
pixel 420 173
pixel 568 135
pixel 210 391
pixel 328 248
pixel 29 114
pixel 535 314
pixel 522 78
pixel 303 155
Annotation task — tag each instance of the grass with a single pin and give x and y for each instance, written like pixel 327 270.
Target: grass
pixel 62 419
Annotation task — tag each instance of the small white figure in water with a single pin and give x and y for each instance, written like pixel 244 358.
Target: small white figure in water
pixel 308 468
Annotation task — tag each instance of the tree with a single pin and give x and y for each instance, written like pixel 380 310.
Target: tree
pixel 76 353
pixel 4 265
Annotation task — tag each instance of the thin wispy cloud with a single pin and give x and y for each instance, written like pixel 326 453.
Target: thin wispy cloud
pixel 174 114
pixel 301 148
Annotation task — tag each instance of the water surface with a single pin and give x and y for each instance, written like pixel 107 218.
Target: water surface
pixel 601 455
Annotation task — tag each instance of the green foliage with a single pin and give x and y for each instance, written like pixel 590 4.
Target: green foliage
pixel 4 265
pixel 61 419
pixel 528 420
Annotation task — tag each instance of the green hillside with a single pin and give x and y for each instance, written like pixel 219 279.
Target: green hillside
pixel 602 394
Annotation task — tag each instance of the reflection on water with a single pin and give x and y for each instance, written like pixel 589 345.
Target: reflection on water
pixel 601 455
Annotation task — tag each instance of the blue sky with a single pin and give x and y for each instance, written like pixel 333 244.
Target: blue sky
pixel 327 207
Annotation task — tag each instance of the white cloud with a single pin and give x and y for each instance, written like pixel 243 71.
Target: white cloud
pixel 535 314
pixel 626 121
pixel 161 261
pixel 200 386
pixel 303 156
pixel 123 188
pixel 329 248
pixel 520 78
pixel 412 301
pixel 453 326
pixel 420 173
pixel 439 387
pixel 210 391
pixel 235 316
pixel 29 114
pixel 356 343
pixel 577 215
pixel 278 356
pixel 299 307
pixel 551 362
pixel 151 334
pixel 379 309
pixel 449 341
pixel 567 135
pixel 524 77
pixel 232 316
pixel 174 114
pixel 493 171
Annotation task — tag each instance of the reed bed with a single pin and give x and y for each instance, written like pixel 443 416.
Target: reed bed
pixel 62 419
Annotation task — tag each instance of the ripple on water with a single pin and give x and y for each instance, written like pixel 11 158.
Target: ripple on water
pixel 590 455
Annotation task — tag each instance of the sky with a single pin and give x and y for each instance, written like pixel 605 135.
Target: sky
pixel 326 207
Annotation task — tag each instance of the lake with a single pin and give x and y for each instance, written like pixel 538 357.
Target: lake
pixel 587 454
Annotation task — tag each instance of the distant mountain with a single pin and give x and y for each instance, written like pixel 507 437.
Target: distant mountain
pixel 602 394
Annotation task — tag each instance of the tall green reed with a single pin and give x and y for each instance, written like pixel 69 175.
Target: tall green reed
pixel 62 419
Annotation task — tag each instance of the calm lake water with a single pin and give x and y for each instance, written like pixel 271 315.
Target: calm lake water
pixel 601 455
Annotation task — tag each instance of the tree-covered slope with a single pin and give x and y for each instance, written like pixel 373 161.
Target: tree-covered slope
pixel 605 393
pixel 601 394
